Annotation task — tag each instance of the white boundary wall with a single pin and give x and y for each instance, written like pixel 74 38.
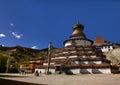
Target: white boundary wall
pixel 102 70
pixel 91 71
pixel 44 70
pixel 88 70
pixel 75 71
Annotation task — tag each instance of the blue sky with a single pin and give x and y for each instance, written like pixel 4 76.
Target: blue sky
pixel 31 23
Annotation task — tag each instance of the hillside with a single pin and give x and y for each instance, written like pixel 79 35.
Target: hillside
pixel 14 56
pixel 114 56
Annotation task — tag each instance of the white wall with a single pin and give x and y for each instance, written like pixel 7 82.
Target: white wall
pixel 91 62
pixel 72 51
pixel 83 56
pixel 79 71
pixel 93 56
pixel 84 62
pixel 75 71
pixel 52 70
pixel 97 62
pixel 45 64
pixel 59 58
pixel 91 71
pixel 102 70
pixel 75 62
pixel 88 70
pixel 72 56
pixel 65 52
pixel 43 71
pixel 106 48
pixel 68 43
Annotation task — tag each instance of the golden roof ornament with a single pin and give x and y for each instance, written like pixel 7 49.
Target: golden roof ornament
pixel 78 28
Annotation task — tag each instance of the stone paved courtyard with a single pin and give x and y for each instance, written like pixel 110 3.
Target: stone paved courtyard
pixel 82 79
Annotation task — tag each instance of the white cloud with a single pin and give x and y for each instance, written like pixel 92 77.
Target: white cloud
pixel 2 35
pixel 18 36
pixel 12 24
pixel 34 47
pixel 3 45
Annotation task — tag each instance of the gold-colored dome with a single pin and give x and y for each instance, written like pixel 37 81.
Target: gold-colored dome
pixel 77 29
pixel 78 26
pixel 75 32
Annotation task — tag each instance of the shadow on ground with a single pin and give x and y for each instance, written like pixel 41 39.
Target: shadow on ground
pixel 11 76
pixel 11 82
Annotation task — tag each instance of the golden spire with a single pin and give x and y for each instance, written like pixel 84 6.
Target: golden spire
pixel 78 28
pixel 75 32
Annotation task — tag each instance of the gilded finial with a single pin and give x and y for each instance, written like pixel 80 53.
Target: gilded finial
pixel 78 28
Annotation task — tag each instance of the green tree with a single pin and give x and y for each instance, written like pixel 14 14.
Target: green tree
pixel 3 61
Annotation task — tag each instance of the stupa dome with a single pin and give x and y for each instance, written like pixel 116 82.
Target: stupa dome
pixel 78 37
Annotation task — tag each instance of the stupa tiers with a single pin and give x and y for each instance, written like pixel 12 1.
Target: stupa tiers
pixel 78 56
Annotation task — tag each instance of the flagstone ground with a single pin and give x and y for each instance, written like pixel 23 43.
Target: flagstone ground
pixel 82 79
